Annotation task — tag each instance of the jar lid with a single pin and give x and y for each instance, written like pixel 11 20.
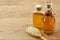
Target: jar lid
pixel 38 6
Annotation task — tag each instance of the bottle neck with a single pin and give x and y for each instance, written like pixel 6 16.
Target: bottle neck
pixel 49 9
pixel 38 10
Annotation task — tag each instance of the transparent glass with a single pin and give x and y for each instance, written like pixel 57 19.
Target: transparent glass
pixel 49 22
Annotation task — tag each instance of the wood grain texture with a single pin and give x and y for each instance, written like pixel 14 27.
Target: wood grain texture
pixel 16 16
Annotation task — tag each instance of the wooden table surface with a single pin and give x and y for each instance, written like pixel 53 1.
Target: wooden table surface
pixel 16 16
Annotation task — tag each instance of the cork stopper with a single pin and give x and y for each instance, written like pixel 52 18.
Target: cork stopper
pixel 48 4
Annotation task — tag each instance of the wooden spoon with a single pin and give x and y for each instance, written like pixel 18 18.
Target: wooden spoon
pixel 35 32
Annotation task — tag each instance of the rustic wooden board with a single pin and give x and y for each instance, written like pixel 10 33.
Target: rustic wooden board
pixel 16 16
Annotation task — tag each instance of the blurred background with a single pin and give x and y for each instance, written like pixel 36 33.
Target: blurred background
pixel 16 15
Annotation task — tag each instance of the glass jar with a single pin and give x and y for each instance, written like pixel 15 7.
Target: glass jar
pixel 38 18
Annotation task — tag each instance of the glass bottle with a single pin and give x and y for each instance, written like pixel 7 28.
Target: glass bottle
pixel 49 20
pixel 38 17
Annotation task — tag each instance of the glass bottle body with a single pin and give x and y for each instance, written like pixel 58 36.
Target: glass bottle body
pixel 38 19
pixel 49 22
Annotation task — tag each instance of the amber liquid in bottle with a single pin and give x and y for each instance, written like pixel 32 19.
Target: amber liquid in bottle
pixel 49 22
pixel 38 20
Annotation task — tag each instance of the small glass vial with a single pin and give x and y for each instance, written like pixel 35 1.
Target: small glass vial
pixel 38 17
pixel 49 20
